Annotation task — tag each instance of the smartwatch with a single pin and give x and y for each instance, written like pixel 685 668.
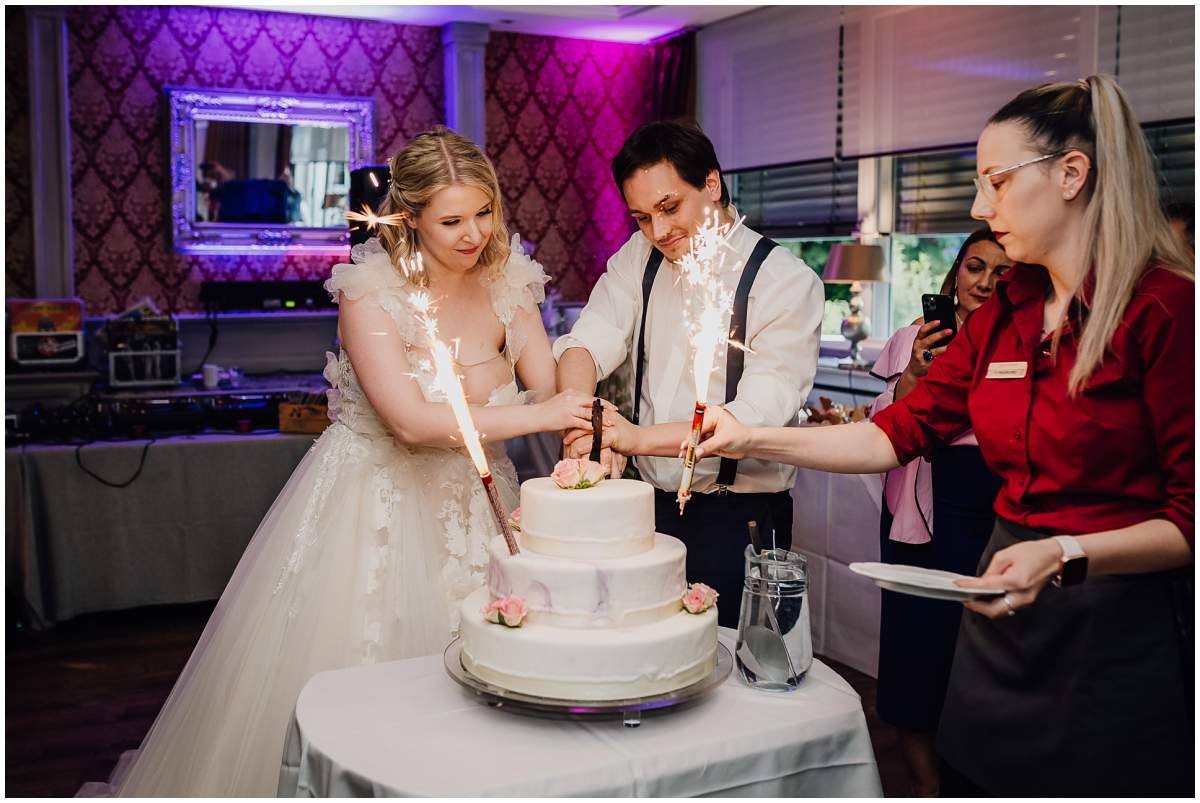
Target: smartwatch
pixel 1074 562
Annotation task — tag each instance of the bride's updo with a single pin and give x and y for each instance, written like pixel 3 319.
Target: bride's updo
pixel 431 162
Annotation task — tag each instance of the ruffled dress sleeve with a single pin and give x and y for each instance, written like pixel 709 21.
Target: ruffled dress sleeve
pixel 521 286
pixel 370 273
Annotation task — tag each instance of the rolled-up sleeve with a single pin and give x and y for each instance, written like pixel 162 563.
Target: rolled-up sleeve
pixel 606 324
pixel 784 338
pixel 935 411
pixel 1168 351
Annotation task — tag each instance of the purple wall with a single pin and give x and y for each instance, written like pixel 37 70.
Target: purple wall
pixel 119 60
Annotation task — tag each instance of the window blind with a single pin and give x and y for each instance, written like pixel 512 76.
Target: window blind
pixel 923 77
pixel 813 199
pixel 767 86
pixel 1152 52
pixel 934 191
pixel 1174 146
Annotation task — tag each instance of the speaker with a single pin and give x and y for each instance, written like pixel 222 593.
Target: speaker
pixel 368 186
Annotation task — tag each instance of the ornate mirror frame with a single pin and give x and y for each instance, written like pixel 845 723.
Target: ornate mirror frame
pixel 186 105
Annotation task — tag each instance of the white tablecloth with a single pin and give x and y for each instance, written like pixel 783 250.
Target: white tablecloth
pixel 406 729
pixel 836 523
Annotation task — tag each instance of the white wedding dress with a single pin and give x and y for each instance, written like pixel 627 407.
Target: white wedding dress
pixel 363 557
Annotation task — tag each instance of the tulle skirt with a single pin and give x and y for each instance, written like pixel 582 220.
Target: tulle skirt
pixel 362 558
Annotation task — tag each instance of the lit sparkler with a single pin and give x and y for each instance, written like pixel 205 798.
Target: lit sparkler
pixel 446 380
pixel 372 220
pixel 701 268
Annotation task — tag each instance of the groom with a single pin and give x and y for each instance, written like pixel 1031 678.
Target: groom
pixel 669 176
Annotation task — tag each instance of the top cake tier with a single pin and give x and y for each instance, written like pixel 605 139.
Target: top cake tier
pixel 610 520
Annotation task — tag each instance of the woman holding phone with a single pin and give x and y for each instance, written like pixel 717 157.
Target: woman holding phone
pixel 1078 379
pixel 936 514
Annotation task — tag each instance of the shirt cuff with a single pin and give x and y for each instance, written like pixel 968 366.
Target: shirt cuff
pixel 1185 520
pixel 745 413
pixel 903 430
pixel 562 344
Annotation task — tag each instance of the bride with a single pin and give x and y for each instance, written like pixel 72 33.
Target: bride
pixel 381 530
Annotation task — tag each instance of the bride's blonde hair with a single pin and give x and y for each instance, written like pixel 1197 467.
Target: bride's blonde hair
pixel 433 161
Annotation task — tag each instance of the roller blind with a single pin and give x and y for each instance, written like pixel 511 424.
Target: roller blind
pixel 1152 52
pixel 814 199
pixel 929 77
pixel 768 86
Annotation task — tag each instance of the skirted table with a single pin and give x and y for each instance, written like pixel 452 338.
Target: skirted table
pixel 407 729
pixel 75 545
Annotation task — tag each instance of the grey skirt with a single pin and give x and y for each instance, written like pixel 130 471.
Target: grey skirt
pixel 1086 692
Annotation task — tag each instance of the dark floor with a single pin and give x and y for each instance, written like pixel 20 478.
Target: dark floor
pixel 80 694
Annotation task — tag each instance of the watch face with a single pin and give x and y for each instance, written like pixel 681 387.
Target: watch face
pixel 1074 571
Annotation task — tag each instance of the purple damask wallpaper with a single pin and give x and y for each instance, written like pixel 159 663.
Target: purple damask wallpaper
pixel 18 225
pixel 119 60
pixel 557 112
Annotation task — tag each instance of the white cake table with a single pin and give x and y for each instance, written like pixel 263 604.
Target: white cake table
pixel 406 729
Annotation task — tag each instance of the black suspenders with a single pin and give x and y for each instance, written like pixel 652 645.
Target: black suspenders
pixel 656 258
pixel 735 360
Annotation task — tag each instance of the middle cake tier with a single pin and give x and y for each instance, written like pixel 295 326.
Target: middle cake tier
pixel 592 592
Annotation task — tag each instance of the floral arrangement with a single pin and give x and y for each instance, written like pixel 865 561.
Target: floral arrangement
pixel 698 598
pixel 509 611
pixel 577 474
pixel 514 520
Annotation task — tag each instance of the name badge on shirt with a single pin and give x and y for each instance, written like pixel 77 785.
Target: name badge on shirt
pixel 1007 370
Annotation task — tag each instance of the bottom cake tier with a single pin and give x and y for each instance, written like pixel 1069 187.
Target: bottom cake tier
pixel 589 664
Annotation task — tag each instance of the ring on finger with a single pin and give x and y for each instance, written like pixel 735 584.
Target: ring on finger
pixel 1008 604
pixel 927 355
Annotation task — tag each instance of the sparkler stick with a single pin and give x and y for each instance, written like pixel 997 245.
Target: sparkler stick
pixel 701 268
pixel 446 380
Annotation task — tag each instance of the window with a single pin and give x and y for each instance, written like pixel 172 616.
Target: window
pixel 919 265
pixel 806 208
pixel 815 253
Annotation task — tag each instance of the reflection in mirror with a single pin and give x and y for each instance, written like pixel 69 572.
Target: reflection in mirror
pixel 254 172
pixel 264 172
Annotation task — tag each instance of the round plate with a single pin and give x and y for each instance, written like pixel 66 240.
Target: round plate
pixel 920 582
pixel 630 709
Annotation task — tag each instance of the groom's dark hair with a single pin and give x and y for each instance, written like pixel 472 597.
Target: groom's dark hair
pixel 679 142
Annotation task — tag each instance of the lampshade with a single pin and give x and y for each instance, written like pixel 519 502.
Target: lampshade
pixel 854 262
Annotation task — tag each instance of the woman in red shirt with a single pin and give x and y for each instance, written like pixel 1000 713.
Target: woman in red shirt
pixel 1078 378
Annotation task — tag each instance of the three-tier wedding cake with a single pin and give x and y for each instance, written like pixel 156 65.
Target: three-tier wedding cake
pixel 595 606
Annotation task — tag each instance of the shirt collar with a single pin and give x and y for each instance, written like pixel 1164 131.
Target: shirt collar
pixel 1024 282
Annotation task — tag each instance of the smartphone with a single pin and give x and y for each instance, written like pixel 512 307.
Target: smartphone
pixel 937 307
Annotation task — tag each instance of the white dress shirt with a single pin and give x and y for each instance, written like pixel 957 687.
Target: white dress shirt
pixel 783 331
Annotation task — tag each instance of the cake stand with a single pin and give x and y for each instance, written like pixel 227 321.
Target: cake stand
pixel 629 711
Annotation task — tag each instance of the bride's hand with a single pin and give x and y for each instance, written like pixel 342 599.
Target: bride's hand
pixel 564 411
pixel 721 435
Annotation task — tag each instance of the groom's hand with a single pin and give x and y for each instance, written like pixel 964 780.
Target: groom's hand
pixel 577 444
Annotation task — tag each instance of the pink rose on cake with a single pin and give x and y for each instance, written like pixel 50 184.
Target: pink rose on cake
pixel 699 598
pixel 509 611
pixel 577 474
pixel 514 520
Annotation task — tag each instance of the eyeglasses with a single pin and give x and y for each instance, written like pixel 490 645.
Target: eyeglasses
pixel 984 183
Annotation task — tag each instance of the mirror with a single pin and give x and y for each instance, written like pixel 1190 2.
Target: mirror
pixel 255 172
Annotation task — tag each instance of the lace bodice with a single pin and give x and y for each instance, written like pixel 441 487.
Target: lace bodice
pixel 371 273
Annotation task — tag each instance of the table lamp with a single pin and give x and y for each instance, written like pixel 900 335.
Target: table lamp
pixel 853 264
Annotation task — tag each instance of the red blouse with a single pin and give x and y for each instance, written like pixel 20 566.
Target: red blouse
pixel 1119 453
